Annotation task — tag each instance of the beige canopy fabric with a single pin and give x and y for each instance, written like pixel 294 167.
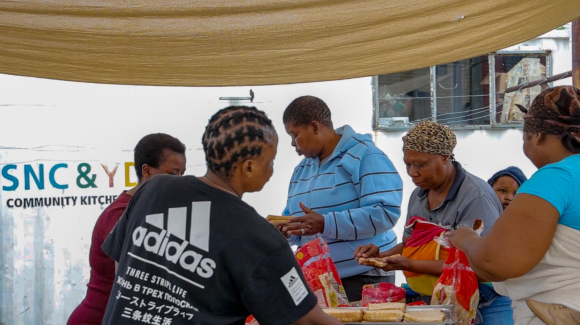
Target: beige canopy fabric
pixel 258 42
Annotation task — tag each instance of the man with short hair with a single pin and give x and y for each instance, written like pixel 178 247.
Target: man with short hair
pixel 345 189
pixel 155 154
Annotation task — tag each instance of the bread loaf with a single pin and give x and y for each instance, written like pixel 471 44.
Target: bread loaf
pixel 387 306
pixel 424 316
pixel 392 315
pixel 345 315
pixel 278 219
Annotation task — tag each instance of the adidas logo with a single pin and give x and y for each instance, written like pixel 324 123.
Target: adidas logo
pixel 292 280
pixel 175 251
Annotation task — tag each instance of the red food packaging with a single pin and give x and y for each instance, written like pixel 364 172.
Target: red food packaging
pixel 458 286
pixel 417 303
pixel 381 292
pixel 251 321
pixel 320 273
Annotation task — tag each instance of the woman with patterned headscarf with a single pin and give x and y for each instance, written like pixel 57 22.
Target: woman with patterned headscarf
pixel 446 197
pixel 534 247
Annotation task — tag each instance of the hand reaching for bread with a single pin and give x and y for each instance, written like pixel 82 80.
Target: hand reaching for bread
pixel 390 263
pixel 366 251
pixel 309 224
pixel 373 261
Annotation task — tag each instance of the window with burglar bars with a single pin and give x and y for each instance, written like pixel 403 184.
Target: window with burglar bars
pixel 461 94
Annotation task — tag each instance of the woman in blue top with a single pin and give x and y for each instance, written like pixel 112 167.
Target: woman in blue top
pixel 534 246
pixel 345 190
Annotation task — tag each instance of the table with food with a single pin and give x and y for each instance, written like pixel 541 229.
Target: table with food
pixel 454 299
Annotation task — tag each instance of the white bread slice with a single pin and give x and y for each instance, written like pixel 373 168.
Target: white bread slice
pixel 392 315
pixel 276 220
pixel 345 315
pixel 388 306
pixel 373 261
pixel 424 316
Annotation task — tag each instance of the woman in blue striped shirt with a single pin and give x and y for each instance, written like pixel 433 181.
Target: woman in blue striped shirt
pixel 345 190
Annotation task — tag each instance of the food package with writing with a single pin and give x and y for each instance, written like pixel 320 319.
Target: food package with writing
pixel 320 273
pixel 458 286
pixel 382 292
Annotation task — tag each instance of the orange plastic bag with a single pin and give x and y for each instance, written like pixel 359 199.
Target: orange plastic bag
pixel 458 286
pixel 321 274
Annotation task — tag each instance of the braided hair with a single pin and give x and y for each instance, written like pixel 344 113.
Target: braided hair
pixel 307 109
pixel 232 134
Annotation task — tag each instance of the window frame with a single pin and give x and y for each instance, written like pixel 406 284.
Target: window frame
pixel 492 94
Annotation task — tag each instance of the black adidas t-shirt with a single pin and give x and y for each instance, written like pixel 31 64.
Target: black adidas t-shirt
pixel 191 254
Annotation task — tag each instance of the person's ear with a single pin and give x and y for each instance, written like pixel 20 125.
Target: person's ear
pixel 315 127
pixel 146 171
pixel 542 137
pixel 446 159
pixel 248 168
pixel 536 138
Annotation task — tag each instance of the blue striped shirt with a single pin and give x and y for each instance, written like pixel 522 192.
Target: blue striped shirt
pixel 359 193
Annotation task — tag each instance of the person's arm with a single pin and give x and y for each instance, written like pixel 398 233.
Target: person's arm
pixel 272 287
pixel 397 262
pixel 515 244
pixel 372 250
pixel 397 250
pixel 401 263
pixel 434 268
pixel 113 245
pixel 317 317
pixel 380 193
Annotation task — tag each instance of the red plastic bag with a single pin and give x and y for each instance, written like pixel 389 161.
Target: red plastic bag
pixel 380 293
pixel 458 286
pixel 251 321
pixel 321 274
pixel 417 303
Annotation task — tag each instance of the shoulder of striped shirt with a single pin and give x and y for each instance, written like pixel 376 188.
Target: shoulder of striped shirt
pixel 363 152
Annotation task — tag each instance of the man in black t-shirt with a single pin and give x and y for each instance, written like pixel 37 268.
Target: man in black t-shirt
pixel 190 251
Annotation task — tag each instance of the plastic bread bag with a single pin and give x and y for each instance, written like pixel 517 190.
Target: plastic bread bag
pixel 381 293
pixel 321 274
pixel 458 284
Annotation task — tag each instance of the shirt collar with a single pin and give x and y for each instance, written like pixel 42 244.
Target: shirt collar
pixel 459 178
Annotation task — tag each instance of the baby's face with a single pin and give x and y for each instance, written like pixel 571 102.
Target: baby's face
pixel 506 188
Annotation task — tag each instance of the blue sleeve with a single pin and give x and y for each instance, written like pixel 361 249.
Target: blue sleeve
pixel 380 193
pixel 286 211
pixel 293 240
pixel 553 184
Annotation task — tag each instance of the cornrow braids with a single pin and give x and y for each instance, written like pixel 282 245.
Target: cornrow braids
pixel 306 109
pixel 232 134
